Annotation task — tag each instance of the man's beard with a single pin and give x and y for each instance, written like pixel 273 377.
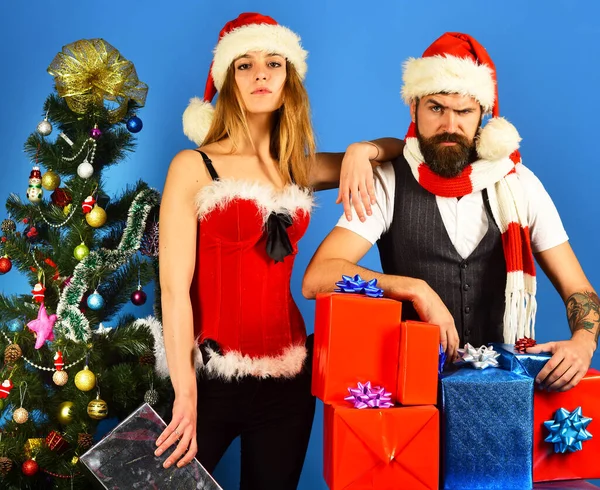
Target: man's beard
pixel 447 161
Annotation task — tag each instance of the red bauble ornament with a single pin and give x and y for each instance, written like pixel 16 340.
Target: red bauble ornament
pixel 138 298
pixel 3 239
pixel 61 197
pixel 30 467
pixel 5 264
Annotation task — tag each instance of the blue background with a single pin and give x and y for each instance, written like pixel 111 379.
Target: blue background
pixel 548 79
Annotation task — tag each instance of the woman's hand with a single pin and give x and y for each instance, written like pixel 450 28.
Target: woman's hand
pixel 356 180
pixel 181 431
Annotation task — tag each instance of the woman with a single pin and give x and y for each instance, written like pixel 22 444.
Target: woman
pixel 231 216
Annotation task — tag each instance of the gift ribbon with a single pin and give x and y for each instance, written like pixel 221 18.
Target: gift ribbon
pixel 480 358
pixel 365 396
pixel 357 285
pixel 522 344
pixel 441 359
pixel 568 430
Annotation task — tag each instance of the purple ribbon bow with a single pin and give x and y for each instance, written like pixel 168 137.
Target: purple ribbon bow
pixel 366 397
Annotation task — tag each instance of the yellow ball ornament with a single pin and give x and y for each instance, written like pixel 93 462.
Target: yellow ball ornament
pixel 60 378
pixel 67 209
pixel 85 380
pixel 97 409
pixel 50 180
pixel 96 217
pixel 81 251
pixel 65 413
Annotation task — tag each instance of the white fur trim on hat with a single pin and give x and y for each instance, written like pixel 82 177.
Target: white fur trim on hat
pixel 197 119
pixel 257 37
pixel 448 74
pixel 498 139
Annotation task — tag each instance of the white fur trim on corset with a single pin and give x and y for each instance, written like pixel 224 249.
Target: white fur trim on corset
pixel 155 328
pixel 257 37
pixel 441 74
pixel 291 199
pixel 497 139
pixel 235 365
pixel 197 119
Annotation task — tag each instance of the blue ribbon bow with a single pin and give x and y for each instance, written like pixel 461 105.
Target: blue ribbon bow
pixel 568 430
pixel 357 285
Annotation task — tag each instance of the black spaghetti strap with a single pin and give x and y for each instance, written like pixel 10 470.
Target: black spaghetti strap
pixel 211 169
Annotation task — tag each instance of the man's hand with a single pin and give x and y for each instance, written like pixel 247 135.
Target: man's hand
pixel 431 309
pixel 569 362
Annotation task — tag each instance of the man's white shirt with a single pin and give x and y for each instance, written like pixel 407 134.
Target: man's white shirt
pixel 465 219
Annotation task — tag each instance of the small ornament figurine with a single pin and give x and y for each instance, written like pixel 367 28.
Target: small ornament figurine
pixel 42 326
pixel 88 204
pixel 96 217
pixel 50 180
pixel 85 380
pixel 134 124
pixel 34 190
pixel 59 362
pixel 5 388
pixel 95 132
pixel 5 264
pixel 38 292
pixel 81 251
pixel 95 301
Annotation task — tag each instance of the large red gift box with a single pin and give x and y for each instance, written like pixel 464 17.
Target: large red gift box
pixel 548 465
pixel 360 339
pixel 383 449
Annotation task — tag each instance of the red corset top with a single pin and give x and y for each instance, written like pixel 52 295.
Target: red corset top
pixel 240 296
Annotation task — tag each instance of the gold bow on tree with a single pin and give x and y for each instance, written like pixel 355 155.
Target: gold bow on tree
pixel 90 71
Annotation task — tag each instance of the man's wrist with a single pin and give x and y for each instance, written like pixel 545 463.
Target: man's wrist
pixel 586 338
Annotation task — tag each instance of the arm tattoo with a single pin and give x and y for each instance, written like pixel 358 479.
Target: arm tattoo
pixel 583 312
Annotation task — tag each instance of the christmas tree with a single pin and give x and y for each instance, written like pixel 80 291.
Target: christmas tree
pixel 70 357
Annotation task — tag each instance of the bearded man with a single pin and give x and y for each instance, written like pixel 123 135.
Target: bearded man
pixel 459 220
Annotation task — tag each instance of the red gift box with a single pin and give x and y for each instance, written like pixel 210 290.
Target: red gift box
pixel 548 465
pixel 383 449
pixel 418 363
pixel 358 338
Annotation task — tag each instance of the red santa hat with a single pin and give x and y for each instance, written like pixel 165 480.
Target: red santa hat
pixel 457 64
pixel 249 32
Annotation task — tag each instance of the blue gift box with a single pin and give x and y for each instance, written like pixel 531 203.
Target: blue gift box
pixel 487 428
pixel 529 364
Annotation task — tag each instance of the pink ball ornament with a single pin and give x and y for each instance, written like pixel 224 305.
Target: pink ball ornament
pixel 138 297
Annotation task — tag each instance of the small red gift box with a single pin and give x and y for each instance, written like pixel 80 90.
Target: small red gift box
pixel 548 465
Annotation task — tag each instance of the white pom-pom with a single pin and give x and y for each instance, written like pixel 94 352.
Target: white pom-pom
pixel 498 139
pixel 197 119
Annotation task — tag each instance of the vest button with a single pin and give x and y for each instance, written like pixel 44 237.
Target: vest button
pixel 463 265
pixel 467 309
pixel 466 287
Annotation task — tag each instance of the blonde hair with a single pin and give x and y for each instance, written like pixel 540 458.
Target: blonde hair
pixel 292 137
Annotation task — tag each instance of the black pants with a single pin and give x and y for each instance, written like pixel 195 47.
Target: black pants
pixel 274 419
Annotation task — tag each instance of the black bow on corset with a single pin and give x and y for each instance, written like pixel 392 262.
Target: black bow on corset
pixel 278 242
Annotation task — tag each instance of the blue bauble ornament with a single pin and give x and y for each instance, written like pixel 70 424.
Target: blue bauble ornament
pixel 134 124
pixel 15 325
pixel 95 301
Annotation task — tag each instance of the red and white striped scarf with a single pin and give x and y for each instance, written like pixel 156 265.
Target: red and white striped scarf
pixel 509 210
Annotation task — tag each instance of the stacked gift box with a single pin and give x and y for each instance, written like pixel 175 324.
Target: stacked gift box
pixel 492 427
pixel 363 340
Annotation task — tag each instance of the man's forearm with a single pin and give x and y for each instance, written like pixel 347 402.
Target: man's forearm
pixel 583 312
pixel 321 278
